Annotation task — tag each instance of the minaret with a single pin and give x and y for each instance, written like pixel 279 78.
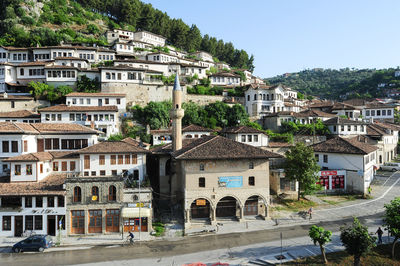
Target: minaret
pixel 177 114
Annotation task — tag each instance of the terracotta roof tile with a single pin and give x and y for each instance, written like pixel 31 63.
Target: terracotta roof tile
pixel 19 114
pixel 15 97
pixel 313 113
pixel 342 121
pixel 113 147
pixel 344 145
pixel 35 157
pixel 241 129
pixel 221 148
pixel 75 108
pixel 14 127
pixel 51 185
pixel 95 94
pixel 62 128
pixel 279 144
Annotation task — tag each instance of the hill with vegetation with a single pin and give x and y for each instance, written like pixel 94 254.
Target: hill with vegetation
pixel 26 23
pixel 326 83
pixel 331 84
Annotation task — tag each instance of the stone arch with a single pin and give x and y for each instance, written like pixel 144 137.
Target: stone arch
pixel 252 207
pixel 200 208
pixel 227 207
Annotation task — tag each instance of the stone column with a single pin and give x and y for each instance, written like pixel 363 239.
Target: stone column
pixel 213 214
pixel 241 219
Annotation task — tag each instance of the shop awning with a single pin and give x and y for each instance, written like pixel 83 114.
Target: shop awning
pixel 133 212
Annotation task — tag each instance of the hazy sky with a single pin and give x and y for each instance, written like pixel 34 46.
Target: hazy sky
pixel 292 35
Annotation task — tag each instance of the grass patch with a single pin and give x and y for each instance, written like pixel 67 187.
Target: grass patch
pixel 295 205
pixel 159 228
pixel 380 255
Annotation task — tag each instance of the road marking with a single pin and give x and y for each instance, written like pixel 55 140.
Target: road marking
pixel 363 203
pixel 310 252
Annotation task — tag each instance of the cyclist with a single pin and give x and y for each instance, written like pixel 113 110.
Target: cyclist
pixel 131 237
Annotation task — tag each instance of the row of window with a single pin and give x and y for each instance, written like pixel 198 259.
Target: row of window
pixel 111 196
pixel 42 56
pixel 222 79
pixel 64 166
pixel 59 74
pixel 6 146
pixel 350 127
pixel 378 112
pixel 325 158
pixel 106 57
pixel 122 159
pixel 202 166
pixel 95 221
pixel 66 144
pixel 32 72
pixel 251 181
pixel 100 101
pixel 118 76
pixel 84 117
pixel 19 57
pixel 86 56
pixel 13 201
pixel 250 138
pixel 266 97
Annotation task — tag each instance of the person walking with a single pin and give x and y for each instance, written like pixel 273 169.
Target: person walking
pixel 310 212
pixel 380 233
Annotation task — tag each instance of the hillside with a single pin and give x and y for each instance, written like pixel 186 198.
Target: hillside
pixel 325 83
pixel 48 22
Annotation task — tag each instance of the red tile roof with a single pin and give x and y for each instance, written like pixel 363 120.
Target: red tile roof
pixel 19 114
pixel 95 94
pixel 344 145
pixel 51 185
pixel 113 147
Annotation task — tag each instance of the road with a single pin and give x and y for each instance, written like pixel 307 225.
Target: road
pixel 241 246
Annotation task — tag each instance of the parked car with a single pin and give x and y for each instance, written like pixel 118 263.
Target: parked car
pixel 33 243
pixel 391 166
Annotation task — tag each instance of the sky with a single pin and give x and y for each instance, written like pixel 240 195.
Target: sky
pixel 292 35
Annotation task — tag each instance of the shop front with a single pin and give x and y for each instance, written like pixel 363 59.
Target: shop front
pixel 332 179
pixel 136 219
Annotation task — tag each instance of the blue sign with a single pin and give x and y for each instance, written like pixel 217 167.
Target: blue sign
pixel 230 181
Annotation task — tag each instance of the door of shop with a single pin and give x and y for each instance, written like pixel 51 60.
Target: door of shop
pixel 77 222
pixel 18 230
pixel 132 224
pixel 51 225
pixel 95 221
pixel 112 221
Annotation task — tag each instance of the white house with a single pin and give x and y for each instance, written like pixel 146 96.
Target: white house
pixel 344 109
pixel 346 127
pixel 164 136
pixel 102 118
pixel 262 99
pixel 247 135
pixel 97 99
pixel 204 56
pixel 225 79
pixel 22 138
pixel 151 38
pixel 356 158
pixel 378 111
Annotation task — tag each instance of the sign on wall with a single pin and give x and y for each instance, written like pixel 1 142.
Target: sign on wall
pixel 230 181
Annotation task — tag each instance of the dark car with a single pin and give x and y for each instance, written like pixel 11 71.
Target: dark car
pixel 33 243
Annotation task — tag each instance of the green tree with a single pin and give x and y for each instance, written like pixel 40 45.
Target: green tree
pixel 237 115
pixel 192 114
pixel 321 236
pixel 392 220
pixel 86 84
pixel 302 167
pixel 356 240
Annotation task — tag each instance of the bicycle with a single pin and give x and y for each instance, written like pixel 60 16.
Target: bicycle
pixel 128 241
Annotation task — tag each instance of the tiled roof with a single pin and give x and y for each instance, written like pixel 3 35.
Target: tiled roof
pixel 75 108
pixel 259 86
pixel 136 143
pixel 321 104
pixel 375 104
pixel 313 113
pixel 241 129
pixel 221 148
pixel 195 128
pixel 60 66
pixel 94 94
pixel 167 148
pixel 35 157
pixel 15 97
pixel 62 128
pixel 356 102
pixel 374 130
pixel 113 147
pixel 344 145
pixel 224 74
pixel 19 114
pixel 51 185
pixel 42 156
pixel 281 113
pixel 14 127
pixel 342 121
pixel 70 58
pixel 343 106
pixel 35 63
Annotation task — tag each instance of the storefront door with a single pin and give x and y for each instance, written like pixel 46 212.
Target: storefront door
pixel 112 221
pixel 132 224
pixel 77 222
pixel 95 221
pixel 18 230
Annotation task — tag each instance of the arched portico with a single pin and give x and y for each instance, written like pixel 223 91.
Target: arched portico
pixel 255 205
pixel 227 207
pixel 200 209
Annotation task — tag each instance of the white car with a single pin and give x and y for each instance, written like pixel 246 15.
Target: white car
pixel 391 167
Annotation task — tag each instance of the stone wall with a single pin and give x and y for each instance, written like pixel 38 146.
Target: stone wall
pixel 142 94
pixel 19 105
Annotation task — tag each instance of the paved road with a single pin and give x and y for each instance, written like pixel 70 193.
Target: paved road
pixel 245 245
pixel 160 249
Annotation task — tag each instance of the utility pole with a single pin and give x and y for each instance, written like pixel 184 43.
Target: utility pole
pixel 281 258
pixel 140 207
